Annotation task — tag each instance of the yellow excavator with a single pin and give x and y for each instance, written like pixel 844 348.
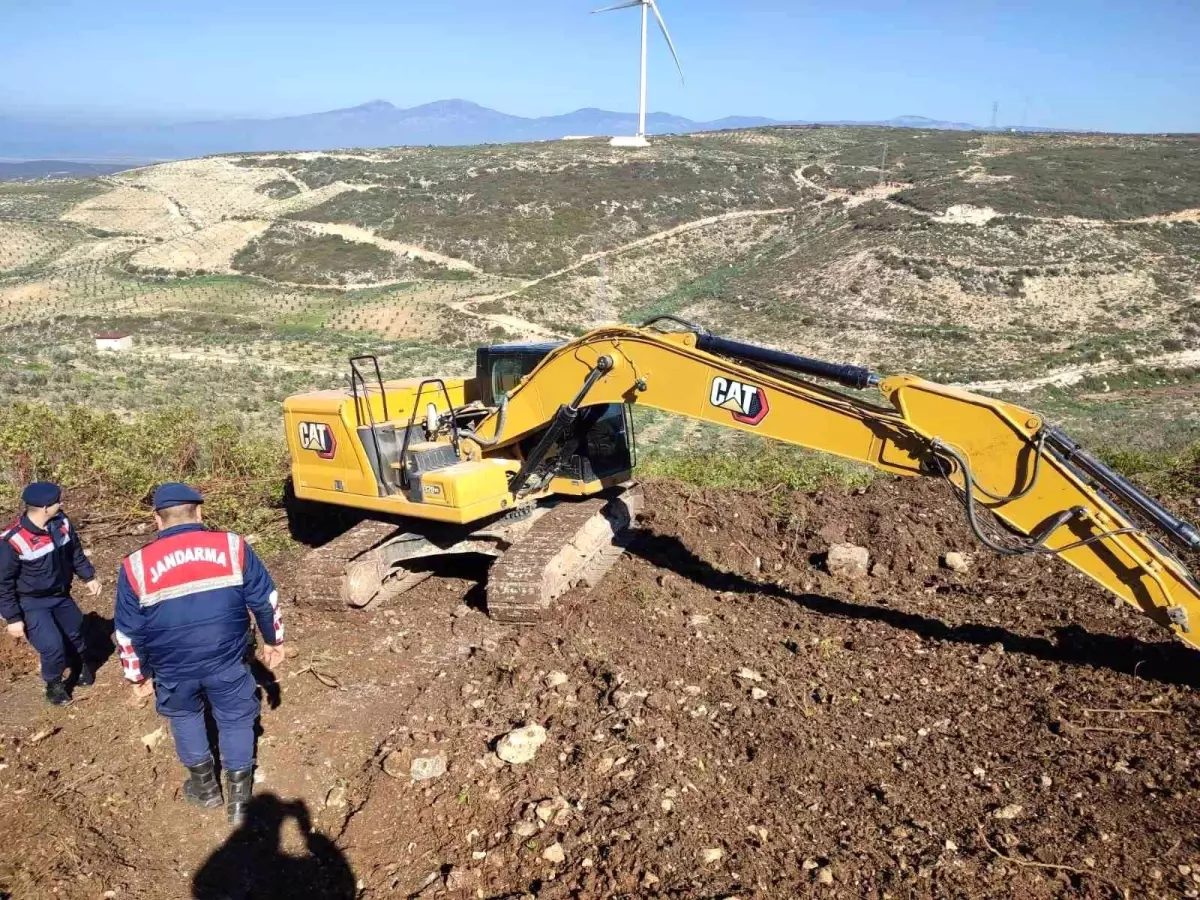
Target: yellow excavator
pixel 531 462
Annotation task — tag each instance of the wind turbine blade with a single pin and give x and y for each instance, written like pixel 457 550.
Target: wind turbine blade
pixel 667 35
pixel 628 5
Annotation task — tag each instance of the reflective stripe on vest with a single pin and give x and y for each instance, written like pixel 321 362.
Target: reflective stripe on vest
pixel 185 564
pixel 29 545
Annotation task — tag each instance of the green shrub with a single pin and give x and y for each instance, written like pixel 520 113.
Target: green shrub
pixel 111 466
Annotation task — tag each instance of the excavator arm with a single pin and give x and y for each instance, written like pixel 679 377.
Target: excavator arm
pixel 1055 498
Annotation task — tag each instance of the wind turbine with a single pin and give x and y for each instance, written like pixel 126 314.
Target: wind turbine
pixel 647 6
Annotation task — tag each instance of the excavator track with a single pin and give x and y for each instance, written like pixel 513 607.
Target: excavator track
pixel 325 566
pixel 576 541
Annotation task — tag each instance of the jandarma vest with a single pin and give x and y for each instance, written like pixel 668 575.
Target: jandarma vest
pixel 187 563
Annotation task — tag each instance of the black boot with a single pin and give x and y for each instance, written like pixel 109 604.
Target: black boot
pixel 203 786
pixel 240 786
pixel 56 693
pixel 86 677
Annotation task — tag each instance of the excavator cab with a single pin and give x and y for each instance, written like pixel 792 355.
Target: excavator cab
pixel 600 447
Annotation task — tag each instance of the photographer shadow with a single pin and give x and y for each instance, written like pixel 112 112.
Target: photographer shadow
pixel 253 864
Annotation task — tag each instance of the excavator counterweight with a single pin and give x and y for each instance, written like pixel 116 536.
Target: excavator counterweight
pixel 508 459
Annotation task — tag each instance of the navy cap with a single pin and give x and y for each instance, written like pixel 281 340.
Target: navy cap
pixel 41 493
pixel 175 494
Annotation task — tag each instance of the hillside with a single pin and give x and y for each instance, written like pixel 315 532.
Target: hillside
pixel 1068 266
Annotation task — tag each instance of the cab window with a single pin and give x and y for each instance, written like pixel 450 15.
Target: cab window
pixel 507 373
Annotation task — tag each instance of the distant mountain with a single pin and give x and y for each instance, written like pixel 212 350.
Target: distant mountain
pixel 374 124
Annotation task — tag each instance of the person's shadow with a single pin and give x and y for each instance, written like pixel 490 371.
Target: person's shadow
pixel 252 865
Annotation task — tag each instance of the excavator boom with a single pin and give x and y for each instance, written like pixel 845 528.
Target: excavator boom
pixel 1056 498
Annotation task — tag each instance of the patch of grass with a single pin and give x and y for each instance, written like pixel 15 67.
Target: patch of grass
pixel 45 201
pixel 116 464
pixel 280 189
pixel 292 254
pixel 1123 179
pixel 1164 473
pixel 712 286
pixel 756 467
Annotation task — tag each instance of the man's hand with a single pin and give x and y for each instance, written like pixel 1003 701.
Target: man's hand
pixel 273 655
pixel 143 689
pixel 95 586
pixel 17 630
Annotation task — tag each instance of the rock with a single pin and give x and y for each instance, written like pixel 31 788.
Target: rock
pixel 712 855
pixel 848 561
pixel 748 674
pixel 824 875
pixel 809 864
pixel 525 829
pixel 556 678
pixel 956 562
pixel 554 854
pixel 758 693
pixel 649 880
pixel 424 768
pixel 698 620
pixel 1005 813
pixel 880 570
pixel 521 745
pixel 951 846
pixel 336 798
pixel 1047 781
pixel 393 764
pixel 149 741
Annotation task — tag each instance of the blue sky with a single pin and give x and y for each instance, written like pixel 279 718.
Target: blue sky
pixel 1114 65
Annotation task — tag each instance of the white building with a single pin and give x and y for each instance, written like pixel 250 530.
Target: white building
pixel 114 340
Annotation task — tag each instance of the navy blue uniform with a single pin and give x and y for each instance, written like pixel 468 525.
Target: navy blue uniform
pixel 183 619
pixel 37 568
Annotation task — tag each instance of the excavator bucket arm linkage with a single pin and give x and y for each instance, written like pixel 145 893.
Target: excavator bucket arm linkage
pixel 1054 496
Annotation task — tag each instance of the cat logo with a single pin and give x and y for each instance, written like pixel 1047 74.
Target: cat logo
pixel 747 402
pixel 319 437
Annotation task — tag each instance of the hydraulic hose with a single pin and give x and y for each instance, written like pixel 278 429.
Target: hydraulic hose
pixel 499 435
pixel 1036 544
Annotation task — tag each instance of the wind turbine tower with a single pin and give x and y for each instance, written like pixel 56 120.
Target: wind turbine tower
pixel 639 140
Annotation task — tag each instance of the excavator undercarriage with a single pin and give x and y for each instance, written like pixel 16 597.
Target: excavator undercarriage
pixel 540 552
pixel 530 462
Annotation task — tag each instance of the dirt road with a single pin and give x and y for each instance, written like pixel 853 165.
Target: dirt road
pixel 723 719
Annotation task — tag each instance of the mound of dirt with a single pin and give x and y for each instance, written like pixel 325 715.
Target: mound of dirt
pixel 722 718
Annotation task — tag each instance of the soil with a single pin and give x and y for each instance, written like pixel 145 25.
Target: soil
pixel 723 717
